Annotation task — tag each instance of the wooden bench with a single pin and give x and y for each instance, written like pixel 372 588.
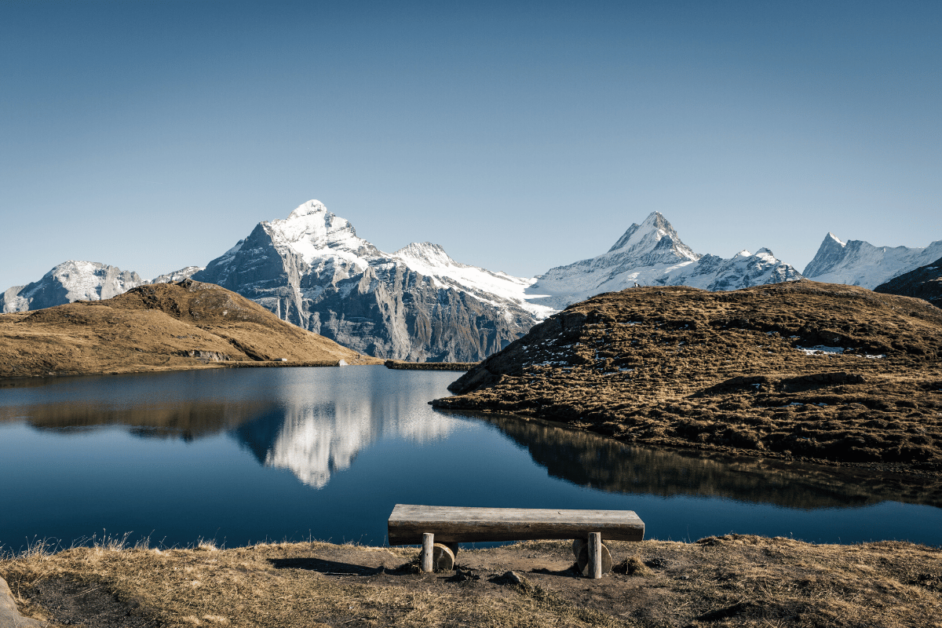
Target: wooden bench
pixel 439 529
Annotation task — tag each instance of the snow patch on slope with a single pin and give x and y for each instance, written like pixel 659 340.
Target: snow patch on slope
pixel 431 260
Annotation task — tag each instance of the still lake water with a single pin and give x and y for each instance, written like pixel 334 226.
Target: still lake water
pixel 245 455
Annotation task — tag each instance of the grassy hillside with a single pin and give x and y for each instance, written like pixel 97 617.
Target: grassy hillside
pixel 157 327
pixel 734 372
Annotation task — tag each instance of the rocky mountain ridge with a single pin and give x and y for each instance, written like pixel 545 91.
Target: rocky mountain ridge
pixel 859 263
pixel 652 254
pixel 418 304
pixel 75 280
pixel 70 281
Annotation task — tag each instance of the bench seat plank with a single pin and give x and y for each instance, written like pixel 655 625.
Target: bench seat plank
pixel 450 524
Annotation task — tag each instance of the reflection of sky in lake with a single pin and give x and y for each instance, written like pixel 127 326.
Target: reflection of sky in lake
pixel 254 454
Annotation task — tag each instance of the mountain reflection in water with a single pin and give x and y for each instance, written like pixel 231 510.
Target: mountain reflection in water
pixel 594 461
pixel 317 429
pixel 314 441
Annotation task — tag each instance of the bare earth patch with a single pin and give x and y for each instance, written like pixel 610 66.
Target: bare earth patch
pixel 717 581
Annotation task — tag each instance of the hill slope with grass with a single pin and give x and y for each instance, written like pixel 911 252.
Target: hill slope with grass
pixel 819 371
pixel 156 327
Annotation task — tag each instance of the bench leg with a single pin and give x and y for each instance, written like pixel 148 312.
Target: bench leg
pixel 428 543
pixel 580 547
pixel 595 555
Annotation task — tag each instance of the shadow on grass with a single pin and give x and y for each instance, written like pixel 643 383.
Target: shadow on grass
pixel 569 572
pixel 329 567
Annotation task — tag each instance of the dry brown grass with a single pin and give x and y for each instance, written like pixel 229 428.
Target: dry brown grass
pixel 154 328
pixel 724 581
pixel 722 372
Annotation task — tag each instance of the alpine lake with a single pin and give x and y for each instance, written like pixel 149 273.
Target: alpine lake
pixel 238 456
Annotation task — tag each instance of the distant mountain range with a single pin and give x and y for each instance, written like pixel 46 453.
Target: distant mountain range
pixel 652 254
pixel 419 304
pixel 415 304
pixel 80 281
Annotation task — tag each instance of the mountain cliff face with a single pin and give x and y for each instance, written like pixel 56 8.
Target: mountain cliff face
pixel 859 263
pixel 652 254
pixel 417 304
pixel 924 282
pixel 70 281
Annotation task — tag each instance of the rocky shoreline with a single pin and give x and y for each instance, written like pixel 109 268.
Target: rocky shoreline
pixel 429 366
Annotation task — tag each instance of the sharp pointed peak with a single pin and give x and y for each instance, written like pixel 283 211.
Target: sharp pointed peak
pixel 831 236
pixel 655 218
pixel 311 207
pixel 649 233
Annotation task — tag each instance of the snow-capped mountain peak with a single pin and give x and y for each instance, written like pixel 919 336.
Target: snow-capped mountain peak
pixel 431 260
pixel 833 237
pixel 766 255
pixel 312 207
pixel 860 263
pixel 70 281
pixel 177 275
pixel 313 232
pixel 313 270
pixel 652 253
pixel 642 239
pixel 652 242
pixel 426 253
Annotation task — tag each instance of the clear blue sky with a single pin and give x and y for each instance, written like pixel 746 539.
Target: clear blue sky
pixel 154 134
